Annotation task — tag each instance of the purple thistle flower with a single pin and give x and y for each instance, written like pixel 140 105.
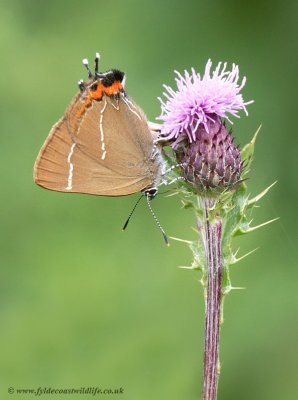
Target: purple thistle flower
pixel 192 125
pixel 201 100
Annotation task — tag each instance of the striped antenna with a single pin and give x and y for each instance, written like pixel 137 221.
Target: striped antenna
pixel 156 220
pixel 132 211
pixel 86 63
pixel 97 57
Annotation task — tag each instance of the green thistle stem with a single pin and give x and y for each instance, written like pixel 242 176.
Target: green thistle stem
pixel 220 215
pixel 211 231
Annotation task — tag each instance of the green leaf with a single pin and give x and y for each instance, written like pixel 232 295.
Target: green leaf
pixel 234 214
pixel 187 204
pixel 246 228
pixel 253 201
pixel 248 151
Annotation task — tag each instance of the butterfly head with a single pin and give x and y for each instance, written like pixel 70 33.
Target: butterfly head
pixel 151 193
pixel 98 84
pixel 111 78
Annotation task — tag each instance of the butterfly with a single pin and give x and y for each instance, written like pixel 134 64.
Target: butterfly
pixel 102 145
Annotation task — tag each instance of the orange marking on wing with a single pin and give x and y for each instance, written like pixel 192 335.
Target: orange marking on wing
pixel 97 94
pixel 92 95
pixel 113 89
pixel 87 103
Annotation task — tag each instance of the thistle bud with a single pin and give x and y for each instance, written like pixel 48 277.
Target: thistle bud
pixel 212 161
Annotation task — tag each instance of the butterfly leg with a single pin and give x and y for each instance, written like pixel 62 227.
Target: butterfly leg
pixel 167 183
pixel 155 151
pixel 171 168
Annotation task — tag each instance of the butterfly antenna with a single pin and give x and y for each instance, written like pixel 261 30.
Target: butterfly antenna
pixel 157 221
pixel 86 63
pixel 132 211
pixel 97 57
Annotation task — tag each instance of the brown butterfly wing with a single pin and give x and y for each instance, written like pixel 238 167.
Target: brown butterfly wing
pixel 107 151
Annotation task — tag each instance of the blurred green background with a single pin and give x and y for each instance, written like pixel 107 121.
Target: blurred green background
pixel 83 304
